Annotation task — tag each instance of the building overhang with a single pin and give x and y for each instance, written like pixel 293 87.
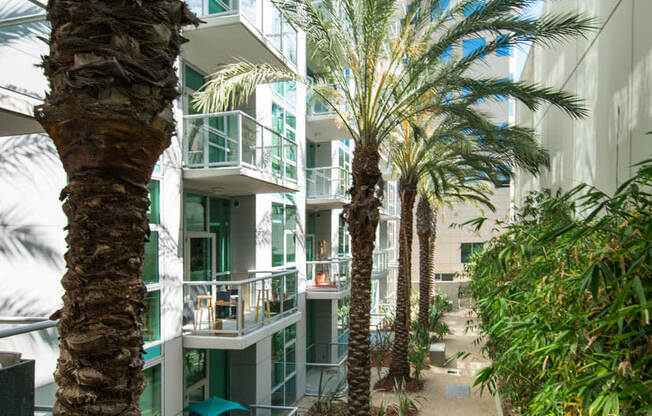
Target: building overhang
pixel 235 181
pixel 17 114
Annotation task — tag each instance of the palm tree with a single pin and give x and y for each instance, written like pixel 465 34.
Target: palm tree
pixel 427 233
pixel 362 55
pixel 453 166
pixel 112 76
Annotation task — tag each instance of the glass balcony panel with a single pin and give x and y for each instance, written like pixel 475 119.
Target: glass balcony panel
pixel 232 139
pixel 261 14
pixel 237 307
pixel 327 183
pixel 329 275
pixel 326 368
pixel 269 410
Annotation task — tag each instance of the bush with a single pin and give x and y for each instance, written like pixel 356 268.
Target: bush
pixel 418 350
pixel 562 297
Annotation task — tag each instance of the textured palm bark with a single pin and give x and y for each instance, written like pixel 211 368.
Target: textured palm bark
pixel 400 368
pixel 424 231
pixel 362 217
pixel 109 113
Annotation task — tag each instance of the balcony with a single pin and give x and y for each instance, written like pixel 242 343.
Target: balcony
pixel 328 279
pixel 269 410
pixel 235 313
pixel 327 187
pixel 323 124
pixel 231 154
pixel 326 369
pixel 253 30
pixel 380 265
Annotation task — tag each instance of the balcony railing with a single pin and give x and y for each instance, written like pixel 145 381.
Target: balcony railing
pixel 268 410
pixel 238 307
pixel 317 106
pixel 330 182
pixel 235 139
pixel 261 14
pixel 326 368
pixel 328 275
pixel 380 265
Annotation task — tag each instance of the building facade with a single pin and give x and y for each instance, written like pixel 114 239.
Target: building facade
pixel 611 71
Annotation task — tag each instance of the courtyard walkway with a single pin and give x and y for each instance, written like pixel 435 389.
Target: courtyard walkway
pixel 448 391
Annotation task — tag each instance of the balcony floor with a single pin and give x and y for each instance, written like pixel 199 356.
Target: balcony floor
pixel 313 293
pixel 325 128
pixel 235 181
pixel 325 203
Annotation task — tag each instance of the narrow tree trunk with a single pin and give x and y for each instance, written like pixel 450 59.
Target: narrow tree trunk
pixel 400 367
pixel 362 217
pixel 109 112
pixel 424 231
pixel 433 245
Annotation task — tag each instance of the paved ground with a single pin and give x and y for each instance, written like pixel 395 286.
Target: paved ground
pixel 448 394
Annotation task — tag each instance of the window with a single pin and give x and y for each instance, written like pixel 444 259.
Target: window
pixel 470 46
pixel 152 317
pixel 342 319
pixel 153 211
pixel 504 48
pixel 150 263
pixel 287 91
pixel 285 123
pixel 193 81
pixel 284 389
pixel 468 249
pixel 473 6
pixel 194 366
pixel 284 224
pixel 150 400
pixel 343 238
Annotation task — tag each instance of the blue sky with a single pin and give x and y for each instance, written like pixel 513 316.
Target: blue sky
pixel 521 53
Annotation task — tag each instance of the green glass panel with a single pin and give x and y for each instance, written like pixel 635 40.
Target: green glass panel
pixel 290 391
pixel 277 397
pixel 310 155
pixel 291 333
pixel 150 263
pixel 153 211
pixel 290 218
pixel 215 6
pixel 200 259
pixel 150 400
pixel 219 224
pixel 277 234
pixel 195 212
pixel 193 79
pixel 194 366
pixel 310 242
pixel 152 317
pixel 152 352
pixel 219 373
pixel 278 346
pixel 291 359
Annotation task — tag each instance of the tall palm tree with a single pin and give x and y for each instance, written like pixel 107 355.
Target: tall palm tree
pixel 112 76
pixel 427 233
pixel 362 55
pixel 451 165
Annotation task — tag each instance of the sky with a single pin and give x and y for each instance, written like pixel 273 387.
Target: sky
pixel 520 54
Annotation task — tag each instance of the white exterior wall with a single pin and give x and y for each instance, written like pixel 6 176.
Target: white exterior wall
pixel 611 70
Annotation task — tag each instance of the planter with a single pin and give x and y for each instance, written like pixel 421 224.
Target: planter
pixel 17 392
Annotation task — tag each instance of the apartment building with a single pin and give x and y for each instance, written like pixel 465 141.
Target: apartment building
pixel 611 71
pixel 248 266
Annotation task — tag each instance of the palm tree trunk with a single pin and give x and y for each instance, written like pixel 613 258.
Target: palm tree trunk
pixel 400 368
pixel 424 231
pixel 362 217
pixel 112 79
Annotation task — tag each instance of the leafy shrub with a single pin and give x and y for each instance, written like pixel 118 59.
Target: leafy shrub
pixel 418 350
pixel 562 296
pixel 406 405
pixel 441 303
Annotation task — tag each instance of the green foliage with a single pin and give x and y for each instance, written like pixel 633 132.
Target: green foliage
pixel 381 344
pixel 562 296
pixel 418 350
pixel 441 303
pixel 406 404
pixel 328 403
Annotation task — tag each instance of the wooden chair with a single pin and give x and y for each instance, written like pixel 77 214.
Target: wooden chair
pixel 204 304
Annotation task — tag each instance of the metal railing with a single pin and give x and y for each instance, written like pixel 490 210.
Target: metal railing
pixel 326 368
pixel 329 275
pixel 261 14
pixel 233 139
pixel 317 106
pixel 380 265
pixel 238 307
pixel 331 182
pixel 268 410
